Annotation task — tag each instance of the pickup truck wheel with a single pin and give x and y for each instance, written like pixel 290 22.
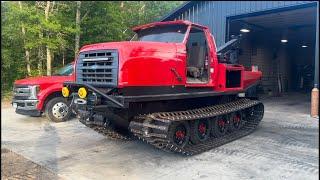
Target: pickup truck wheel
pixel 57 109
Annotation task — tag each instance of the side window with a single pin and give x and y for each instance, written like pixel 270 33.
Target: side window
pixel 65 71
pixel 70 70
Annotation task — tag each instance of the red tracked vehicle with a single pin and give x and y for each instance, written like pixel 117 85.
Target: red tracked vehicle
pixel 169 86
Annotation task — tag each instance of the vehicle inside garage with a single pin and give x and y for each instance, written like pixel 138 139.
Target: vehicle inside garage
pixel 282 44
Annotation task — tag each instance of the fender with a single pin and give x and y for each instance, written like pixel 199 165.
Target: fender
pixel 42 96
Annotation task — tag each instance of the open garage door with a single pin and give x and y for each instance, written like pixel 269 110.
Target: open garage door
pixel 282 44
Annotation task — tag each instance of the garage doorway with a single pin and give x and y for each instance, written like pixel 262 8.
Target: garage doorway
pixel 282 44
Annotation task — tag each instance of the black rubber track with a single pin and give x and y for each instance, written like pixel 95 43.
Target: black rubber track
pixel 106 130
pixel 153 128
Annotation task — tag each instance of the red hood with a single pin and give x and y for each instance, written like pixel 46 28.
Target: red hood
pixel 133 47
pixel 135 56
pixel 139 49
pixel 43 81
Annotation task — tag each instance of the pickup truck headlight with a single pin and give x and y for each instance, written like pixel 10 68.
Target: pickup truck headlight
pixel 34 90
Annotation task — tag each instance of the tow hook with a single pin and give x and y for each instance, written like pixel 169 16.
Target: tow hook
pixel 80 101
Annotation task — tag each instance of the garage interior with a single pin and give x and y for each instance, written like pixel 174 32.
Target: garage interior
pixel 282 44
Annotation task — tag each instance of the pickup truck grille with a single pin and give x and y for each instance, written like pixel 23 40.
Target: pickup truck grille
pixel 21 92
pixel 99 68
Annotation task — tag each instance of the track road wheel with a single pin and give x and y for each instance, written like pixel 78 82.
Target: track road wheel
pixel 236 121
pixel 179 133
pixel 220 126
pixel 57 109
pixel 200 130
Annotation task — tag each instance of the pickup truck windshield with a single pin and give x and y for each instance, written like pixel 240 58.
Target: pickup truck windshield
pixel 65 71
pixel 167 33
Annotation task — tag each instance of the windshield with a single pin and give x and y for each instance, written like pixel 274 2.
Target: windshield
pixel 168 33
pixel 65 71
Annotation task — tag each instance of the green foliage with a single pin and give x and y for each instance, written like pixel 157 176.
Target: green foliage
pixel 101 21
pixel 12 55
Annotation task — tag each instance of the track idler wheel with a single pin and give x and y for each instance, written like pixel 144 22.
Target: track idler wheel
pixel 179 133
pixel 200 130
pixel 259 110
pixel 255 112
pixel 220 126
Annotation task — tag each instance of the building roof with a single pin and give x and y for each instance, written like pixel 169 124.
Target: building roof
pixel 188 4
pixel 179 10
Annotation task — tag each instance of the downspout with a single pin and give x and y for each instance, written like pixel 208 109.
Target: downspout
pixel 315 90
pixel 316 57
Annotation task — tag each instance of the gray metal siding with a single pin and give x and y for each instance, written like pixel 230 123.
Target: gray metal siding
pixel 214 13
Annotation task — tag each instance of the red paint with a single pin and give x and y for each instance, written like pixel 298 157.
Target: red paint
pixel 180 134
pixel 221 122
pixel 202 128
pixel 236 118
pixel 146 63
pixel 150 63
pixel 48 85
pixel 221 79
pixel 251 77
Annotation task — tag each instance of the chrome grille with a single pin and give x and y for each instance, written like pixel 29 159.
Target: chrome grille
pixel 21 92
pixel 98 68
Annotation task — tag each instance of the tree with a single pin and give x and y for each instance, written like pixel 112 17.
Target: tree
pixel 23 30
pixel 13 64
pixel 77 38
pixel 46 12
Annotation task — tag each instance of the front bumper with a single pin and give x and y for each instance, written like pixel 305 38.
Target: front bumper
pixel 26 107
pixel 35 113
pixel 109 100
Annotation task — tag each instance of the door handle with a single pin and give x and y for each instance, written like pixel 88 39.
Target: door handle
pixel 179 78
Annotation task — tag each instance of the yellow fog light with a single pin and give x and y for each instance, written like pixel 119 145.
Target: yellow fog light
pixel 82 92
pixel 65 92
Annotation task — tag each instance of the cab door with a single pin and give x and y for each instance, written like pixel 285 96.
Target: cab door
pixel 198 59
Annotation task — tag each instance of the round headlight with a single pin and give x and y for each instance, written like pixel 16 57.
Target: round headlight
pixel 82 92
pixel 65 92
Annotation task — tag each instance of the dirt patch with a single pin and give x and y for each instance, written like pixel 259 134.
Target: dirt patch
pixel 5 103
pixel 6 100
pixel 15 166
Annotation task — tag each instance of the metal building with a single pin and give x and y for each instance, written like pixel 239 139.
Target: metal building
pixel 282 39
